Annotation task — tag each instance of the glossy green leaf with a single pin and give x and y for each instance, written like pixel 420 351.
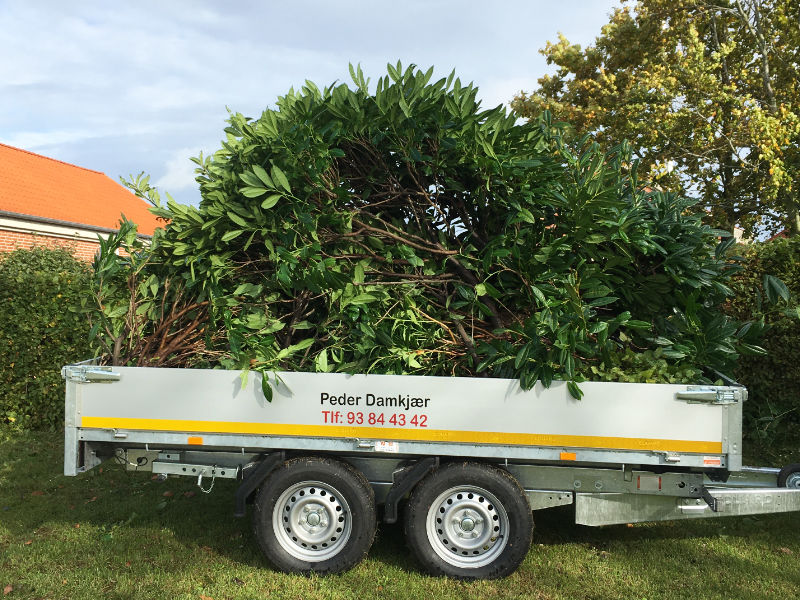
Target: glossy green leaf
pixel 230 235
pixel 266 387
pixel 253 192
pixel 262 175
pixel 280 179
pixel 271 201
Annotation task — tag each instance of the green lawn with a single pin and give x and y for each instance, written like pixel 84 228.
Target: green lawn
pixel 114 534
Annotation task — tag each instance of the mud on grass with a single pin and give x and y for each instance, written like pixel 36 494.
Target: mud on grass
pixel 115 534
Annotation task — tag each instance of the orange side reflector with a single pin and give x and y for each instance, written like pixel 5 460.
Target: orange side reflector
pixel 568 456
pixel 195 440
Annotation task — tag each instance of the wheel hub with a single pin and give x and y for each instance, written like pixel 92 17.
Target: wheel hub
pixel 312 521
pixel 467 526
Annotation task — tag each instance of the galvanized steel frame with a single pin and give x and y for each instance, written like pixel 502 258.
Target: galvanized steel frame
pixel 356 446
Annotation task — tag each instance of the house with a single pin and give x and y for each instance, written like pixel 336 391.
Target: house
pixel 47 202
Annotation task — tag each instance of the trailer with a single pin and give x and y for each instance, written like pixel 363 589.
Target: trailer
pixel 467 459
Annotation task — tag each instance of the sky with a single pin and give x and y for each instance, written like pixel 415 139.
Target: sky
pixel 127 87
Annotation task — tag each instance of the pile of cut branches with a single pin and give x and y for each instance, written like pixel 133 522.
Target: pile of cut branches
pixel 406 230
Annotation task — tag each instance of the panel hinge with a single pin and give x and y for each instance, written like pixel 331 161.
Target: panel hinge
pixel 713 395
pixel 89 374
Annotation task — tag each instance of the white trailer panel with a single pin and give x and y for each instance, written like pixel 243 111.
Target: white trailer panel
pixel 398 413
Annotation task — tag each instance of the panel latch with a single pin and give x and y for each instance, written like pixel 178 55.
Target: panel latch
pixel 712 395
pixel 90 374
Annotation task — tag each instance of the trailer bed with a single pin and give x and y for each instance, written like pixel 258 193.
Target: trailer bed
pixel 614 423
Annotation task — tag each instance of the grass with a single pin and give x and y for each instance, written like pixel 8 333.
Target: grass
pixel 115 534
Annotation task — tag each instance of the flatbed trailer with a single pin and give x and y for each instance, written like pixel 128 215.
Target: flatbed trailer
pixel 468 458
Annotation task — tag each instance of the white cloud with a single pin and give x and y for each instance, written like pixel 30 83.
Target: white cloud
pixel 179 173
pixel 130 87
pixel 36 140
pixel 501 91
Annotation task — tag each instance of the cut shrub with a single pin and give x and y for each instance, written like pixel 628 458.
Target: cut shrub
pixel 406 230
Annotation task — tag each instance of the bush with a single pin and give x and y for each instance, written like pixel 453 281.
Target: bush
pixel 39 333
pixel 410 231
pixel 772 413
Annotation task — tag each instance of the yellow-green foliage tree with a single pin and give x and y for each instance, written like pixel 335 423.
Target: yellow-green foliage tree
pixel 707 92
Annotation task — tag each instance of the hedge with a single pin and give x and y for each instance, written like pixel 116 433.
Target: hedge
pixel 772 413
pixel 39 333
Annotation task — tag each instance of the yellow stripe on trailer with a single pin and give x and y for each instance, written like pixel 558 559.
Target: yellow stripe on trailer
pixel 391 433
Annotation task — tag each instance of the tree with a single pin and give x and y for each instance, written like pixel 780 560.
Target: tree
pixel 707 92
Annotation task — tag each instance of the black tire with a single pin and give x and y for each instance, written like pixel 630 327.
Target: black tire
pixel 483 508
pixel 315 515
pixel 789 476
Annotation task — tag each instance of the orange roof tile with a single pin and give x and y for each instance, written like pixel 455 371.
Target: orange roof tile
pixel 38 186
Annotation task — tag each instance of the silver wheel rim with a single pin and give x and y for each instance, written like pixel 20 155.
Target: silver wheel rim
pixel 793 480
pixel 312 521
pixel 467 527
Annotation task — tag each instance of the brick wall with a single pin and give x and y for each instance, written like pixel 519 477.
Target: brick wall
pixel 81 249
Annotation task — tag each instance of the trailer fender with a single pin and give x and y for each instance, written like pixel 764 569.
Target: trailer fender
pixel 410 478
pixel 252 482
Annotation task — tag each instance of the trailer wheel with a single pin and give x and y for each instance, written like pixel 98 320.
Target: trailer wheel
pixel 469 521
pixel 789 476
pixel 315 514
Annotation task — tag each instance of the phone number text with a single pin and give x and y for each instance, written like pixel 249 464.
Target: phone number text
pixel 339 417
